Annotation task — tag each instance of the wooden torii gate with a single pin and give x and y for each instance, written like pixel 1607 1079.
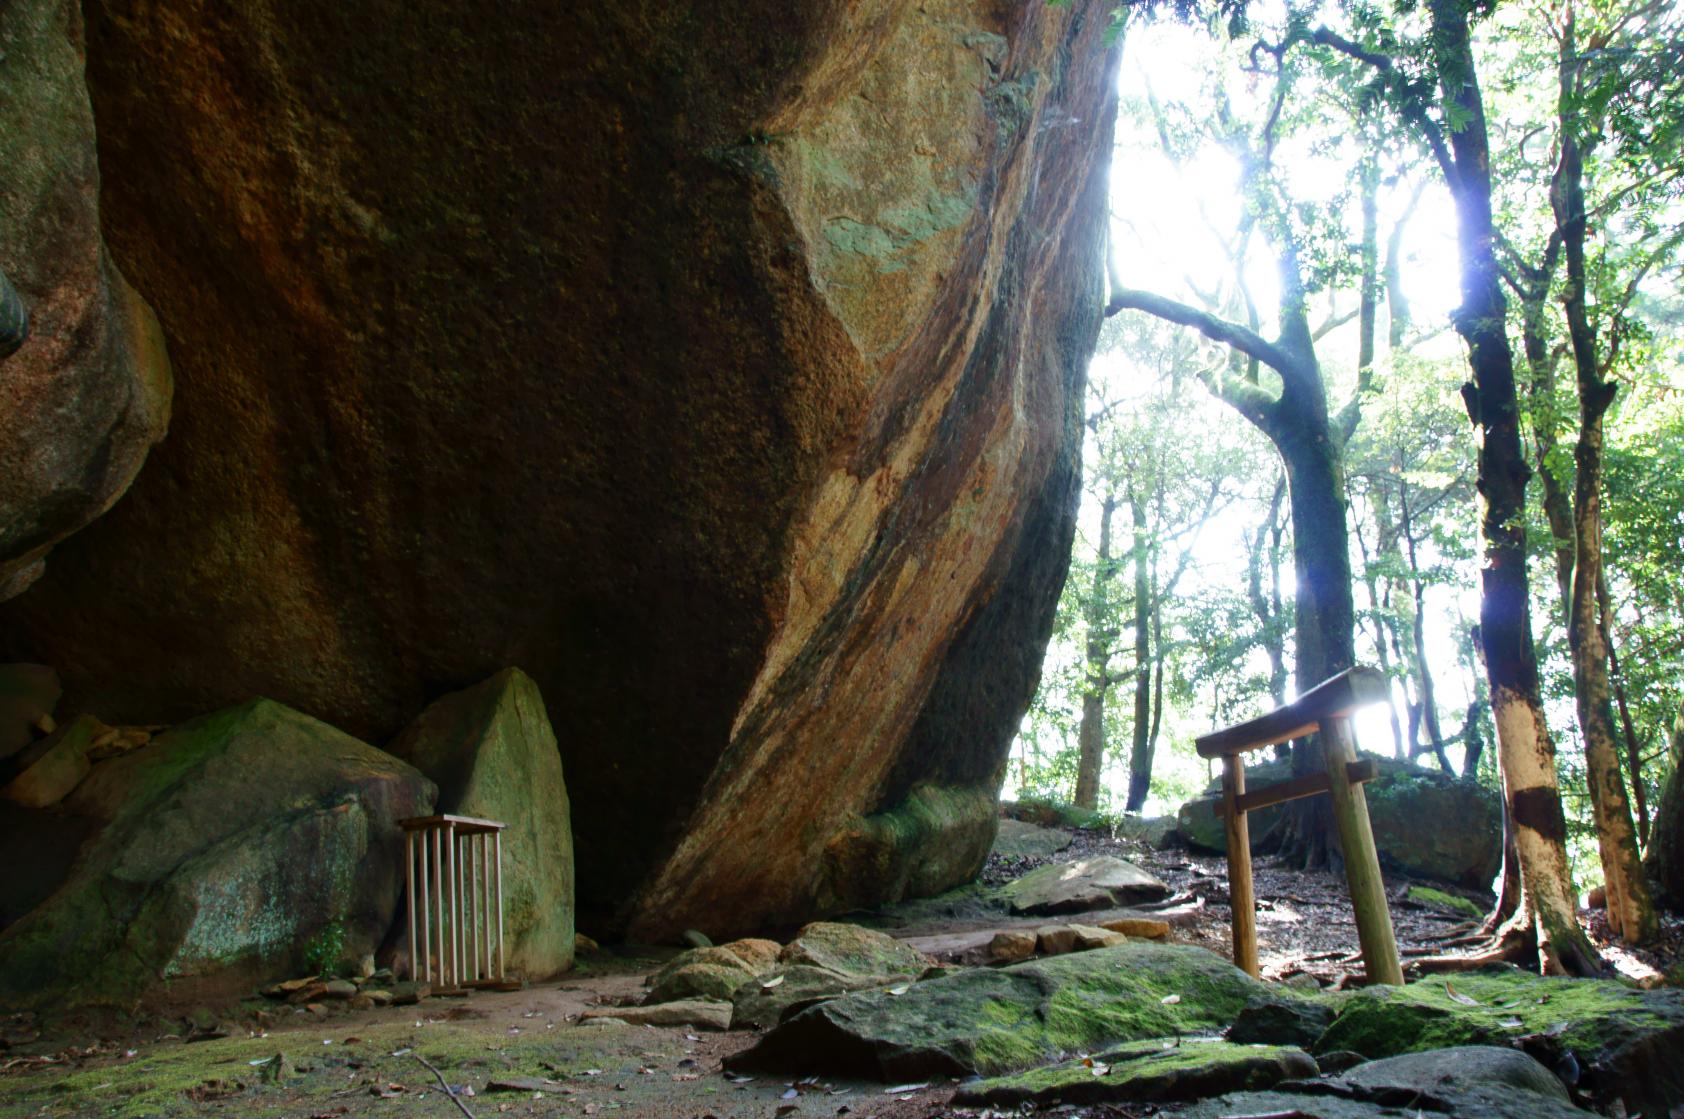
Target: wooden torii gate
pixel 1326 707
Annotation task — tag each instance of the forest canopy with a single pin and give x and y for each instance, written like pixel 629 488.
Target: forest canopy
pixel 1393 374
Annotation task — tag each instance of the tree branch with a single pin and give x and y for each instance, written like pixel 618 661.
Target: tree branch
pixel 1246 341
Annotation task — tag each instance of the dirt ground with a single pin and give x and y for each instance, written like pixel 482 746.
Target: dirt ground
pixel 531 1042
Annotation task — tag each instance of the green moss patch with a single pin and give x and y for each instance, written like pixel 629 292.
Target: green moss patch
pixel 999 1021
pixel 1438 899
pixel 1146 1072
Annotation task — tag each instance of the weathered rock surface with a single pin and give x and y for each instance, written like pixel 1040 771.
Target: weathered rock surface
pixel 1018 839
pixel 492 754
pixel 722 370
pixel 1443 1073
pixel 764 1003
pixel 1425 823
pixel 704 1014
pixel 228 845
pixel 1147 1072
pixel 88 393
pixel 852 950
pixel 1628 1044
pixel 699 973
pixel 1276 1019
pixel 993 1021
pixel 1101 882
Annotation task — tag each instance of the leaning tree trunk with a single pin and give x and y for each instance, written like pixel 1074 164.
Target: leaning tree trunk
pixel 1525 748
pixel 1090 734
pixel 1630 912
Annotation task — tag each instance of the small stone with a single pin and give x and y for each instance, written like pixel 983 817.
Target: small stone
pixel 309 992
pixel 1089 937
pixel 49 769
pixel 365 966
pixel 46 724
pixel 695 939
pixel 1055 940
pixel 408 994
pixel 316 1008
pixel 1010 946
pixel 378 996
pixel 1146 928
pixel 698 1013
pixel 283 989
pixel 339 989
pixel 360 1002
pixel 584 945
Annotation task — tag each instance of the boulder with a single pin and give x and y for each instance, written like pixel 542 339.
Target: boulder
pixel 699 973
pixel 1278 1020
pixel 1156 832
pixel 232 847
pixel 759 954
pixel 1146 1072
pixel 1100 882
pixel 770 999
pixel 88 393
pixel 1627 1044
pixel 852 950
pixel 1012 945
pixel 28 694
pixel 49 769
pixel 1475 1103
pixel 1018 840
pixel 991 1021
pixel 491 752
pixel 1425 823
pixel 775 568
pixel 1442 1073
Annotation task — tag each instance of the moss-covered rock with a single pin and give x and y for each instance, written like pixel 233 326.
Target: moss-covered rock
pixel 705 973
pixel 492 754
pixel 768 1000
pixel 1146 1072
pixel 1052 813
pixel 1279 1019
pixel 934 837
pixel 1628 1043
pixel 1017 839
pixel 852 950
pixel 998 1021
pixel 231 843
pixel 1438 899
pixel 1425 822
pixel 1086 884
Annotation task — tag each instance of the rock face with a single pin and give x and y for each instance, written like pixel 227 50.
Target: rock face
pixel 722 370
pixel 231 846
pixel 491 752
pixel 88 393
pixel 1425 822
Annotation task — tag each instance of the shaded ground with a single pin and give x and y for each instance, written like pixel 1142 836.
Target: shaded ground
pixel 346 1063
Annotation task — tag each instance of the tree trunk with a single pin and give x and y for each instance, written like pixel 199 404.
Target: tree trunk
pixel 1418 631
pixel 1140 757
pixel 1665 859
pixel 1090 734
pixel 1634 753
pixel 1524 745
pixel 1630 912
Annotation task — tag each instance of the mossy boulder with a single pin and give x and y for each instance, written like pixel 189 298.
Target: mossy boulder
pixel 852 950
pixel 1052 813
pixel 230 844
pixel 1447 903
pixel 990 1022
pixel 1086 884
pixel 1278 1019
pixel 1425 822
pixel 699 973
pixel 768 1000
pixel 493 755
pixel 934 837
pixel 1146 1072
pixel 1019 840
pixel 1627 1043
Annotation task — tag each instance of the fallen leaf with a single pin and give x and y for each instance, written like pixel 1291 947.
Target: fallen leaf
pixel 1457 996
pixel 902 1089
pixel 1511 1023
pixel 1170 1000
pixel 901 990
pixel 772 982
